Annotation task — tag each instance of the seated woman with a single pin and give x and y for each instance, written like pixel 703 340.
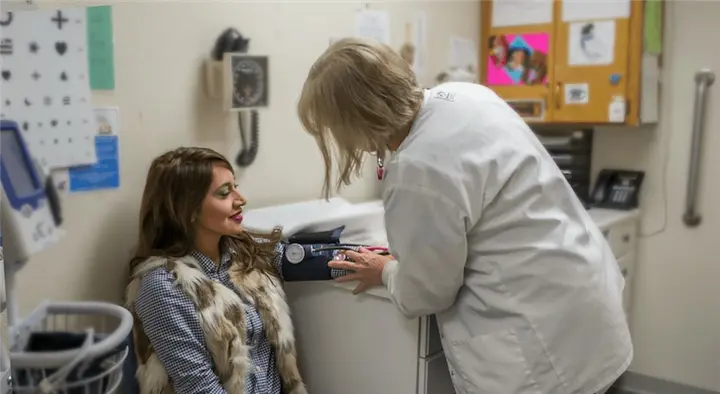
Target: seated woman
pixel 210 312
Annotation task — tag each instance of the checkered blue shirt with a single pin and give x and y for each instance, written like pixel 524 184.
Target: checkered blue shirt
pixel 170 321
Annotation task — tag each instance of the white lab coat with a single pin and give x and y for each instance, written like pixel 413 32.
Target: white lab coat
pixel 489 236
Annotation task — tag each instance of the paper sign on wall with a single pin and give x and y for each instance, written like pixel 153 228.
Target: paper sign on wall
pixel 101 55
pixel 591 43
pixel 45 85
pixel 518 59
pixel 373 24
pixel 579 10
pixel 420 43
pixel 463 54
pixel 521 12
pixel 105 174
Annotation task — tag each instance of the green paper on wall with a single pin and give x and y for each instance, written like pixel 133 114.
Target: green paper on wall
pixel 101 58
pixel 653 27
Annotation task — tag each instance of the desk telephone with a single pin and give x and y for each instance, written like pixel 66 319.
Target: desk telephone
pixel 617 189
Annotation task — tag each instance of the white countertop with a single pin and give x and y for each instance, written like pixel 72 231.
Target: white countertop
pixel 365 222
pixel 604 218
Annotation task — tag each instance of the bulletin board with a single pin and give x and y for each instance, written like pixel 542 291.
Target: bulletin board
pixel 566 61
pixel 45 84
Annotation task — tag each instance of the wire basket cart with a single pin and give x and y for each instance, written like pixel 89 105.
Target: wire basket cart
pixel 62 347
pixel 69 348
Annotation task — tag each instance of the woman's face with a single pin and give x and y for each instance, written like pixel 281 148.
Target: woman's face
pixel 221 210
pixel 518 58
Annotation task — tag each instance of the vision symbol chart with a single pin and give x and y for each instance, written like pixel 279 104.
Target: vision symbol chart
pixel 45 84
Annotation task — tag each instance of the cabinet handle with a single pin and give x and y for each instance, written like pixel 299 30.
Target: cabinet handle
pixel 703 80
pixel 557 95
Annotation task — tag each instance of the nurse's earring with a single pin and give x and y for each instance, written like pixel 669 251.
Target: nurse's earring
pixel 380 167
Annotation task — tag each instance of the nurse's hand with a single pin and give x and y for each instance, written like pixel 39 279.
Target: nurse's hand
pixel 366 265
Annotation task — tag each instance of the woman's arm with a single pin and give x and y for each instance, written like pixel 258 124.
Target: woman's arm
pixel 428 238
pixel 310 269
pixel 170 321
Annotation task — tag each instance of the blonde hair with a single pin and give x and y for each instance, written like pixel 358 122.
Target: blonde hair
pixel 362 93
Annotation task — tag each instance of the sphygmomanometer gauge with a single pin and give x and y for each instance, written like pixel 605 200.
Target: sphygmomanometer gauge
pixel 249 81
pixel 295 253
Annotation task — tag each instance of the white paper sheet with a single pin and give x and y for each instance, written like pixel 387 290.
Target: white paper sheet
pixel 617 110
pixel 373 24
pixel 591 43
pixel 18 5
pixel 420 43
pixel 45 84
pixel 579 10
pixel 107 120
pixel 521 12
pixel 463 54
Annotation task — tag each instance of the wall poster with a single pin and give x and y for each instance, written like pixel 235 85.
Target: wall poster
pixel 518 59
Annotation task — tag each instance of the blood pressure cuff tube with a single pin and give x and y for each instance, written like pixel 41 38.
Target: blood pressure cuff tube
pixel 302 262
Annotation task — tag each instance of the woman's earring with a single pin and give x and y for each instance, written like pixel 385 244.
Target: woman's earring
pixel 380 167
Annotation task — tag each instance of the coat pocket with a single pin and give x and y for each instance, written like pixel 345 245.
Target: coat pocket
pixel 494 364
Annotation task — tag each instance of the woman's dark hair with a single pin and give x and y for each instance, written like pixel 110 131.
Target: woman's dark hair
pixel 175 188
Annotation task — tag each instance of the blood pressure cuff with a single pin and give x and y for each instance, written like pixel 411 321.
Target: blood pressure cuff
pixel 320 237
pixel 302 261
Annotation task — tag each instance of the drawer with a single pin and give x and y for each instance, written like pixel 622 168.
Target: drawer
pixel 434 376
pixel 621 237
pixel 627 267
pixel 430 342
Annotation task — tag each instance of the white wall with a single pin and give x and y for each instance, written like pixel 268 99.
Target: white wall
pixel 676 308
pixel 159 49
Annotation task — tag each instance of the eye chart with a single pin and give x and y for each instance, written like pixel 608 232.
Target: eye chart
pixel 45 84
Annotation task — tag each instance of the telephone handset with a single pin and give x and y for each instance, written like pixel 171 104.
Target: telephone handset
pixel 245 80
pixel 617 189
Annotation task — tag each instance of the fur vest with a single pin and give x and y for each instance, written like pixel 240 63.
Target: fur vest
pixel 222 318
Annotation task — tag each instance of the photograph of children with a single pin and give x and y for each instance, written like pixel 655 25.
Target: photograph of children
pixel 518 61
pixel 498 50
pixel 537 70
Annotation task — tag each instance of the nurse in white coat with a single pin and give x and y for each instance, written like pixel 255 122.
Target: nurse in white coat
pixel 484 229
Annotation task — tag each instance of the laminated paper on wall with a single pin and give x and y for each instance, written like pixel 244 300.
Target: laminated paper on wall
pixel 591 43
pixel 518 59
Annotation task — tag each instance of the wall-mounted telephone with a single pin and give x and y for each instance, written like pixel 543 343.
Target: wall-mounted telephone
pixel 617 189
pixel 244 87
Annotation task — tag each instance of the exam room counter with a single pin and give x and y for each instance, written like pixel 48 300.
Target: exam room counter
pixel 618 227
pixel 360 344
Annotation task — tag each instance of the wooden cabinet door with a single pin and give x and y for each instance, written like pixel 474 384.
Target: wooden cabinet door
pixel 592 69
pixel 517 63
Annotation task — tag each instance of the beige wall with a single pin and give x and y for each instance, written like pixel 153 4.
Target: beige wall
pixel 159 50
pixel 676 309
